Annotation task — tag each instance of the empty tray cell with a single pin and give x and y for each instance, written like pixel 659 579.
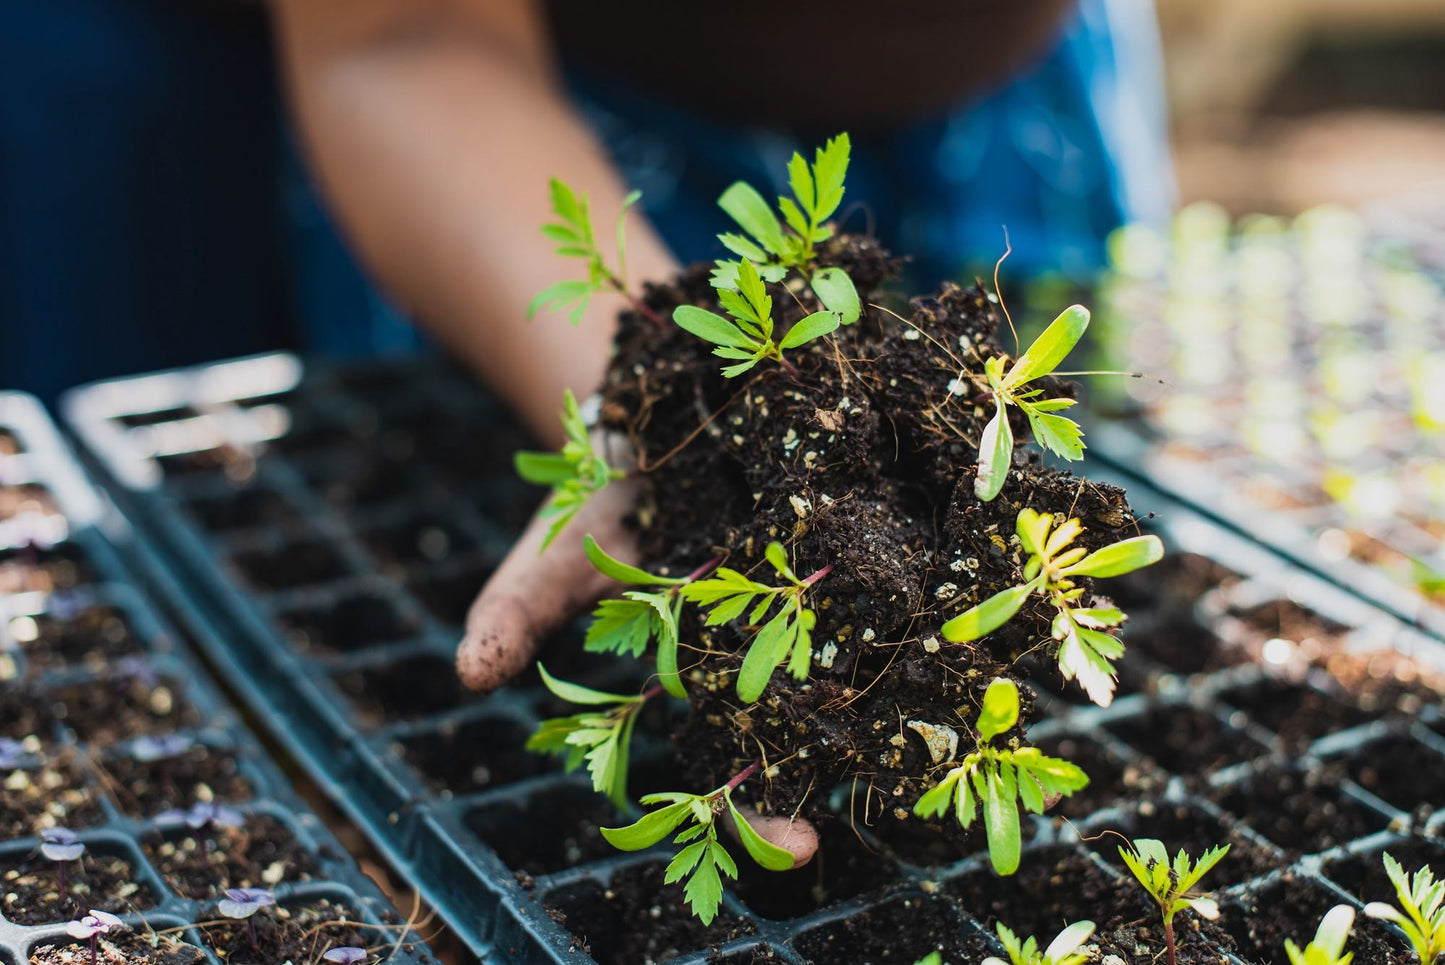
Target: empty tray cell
pixel 48 788
pixel 1363 874
pixel 130 946
pixel 1287 620
pixel 347 622
pixel 246 508
pixel 550 830
pixel 903 929
pixel 261 853
pixel 290 565
pixel 423 539
pixel 364 477
pixel 28 569
pixel 92 635
pixel 108 710
pixel 461 757
pixel 1183 826
pixel 1401 772
pixel 297 931
pixel 309 431
pixel 1180 644
pixel 1303 812
pixel 103 877
pixel 1186 740
pixel 448 596
pixel 636 918
pixel 415 687
pixel 1295 711
pixel 235 464
pixel 1052 886
pixel 1260 921
pixel 155 418
pixel 1174 583
pixel 845 867
pixel 1110 777
pixel 148 777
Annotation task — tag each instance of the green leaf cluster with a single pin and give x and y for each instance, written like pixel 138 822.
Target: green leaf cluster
pixel 1171 884
pixel 574 473
pixel 1328 947
pixel 998 779
pixel 747 334
pixel 1086 650
pixel 1421 915
pixel 602 739
pixel 1063 950
pixel 626 625
pixel 1056 433
pixel 572 231
pixel 702 859
pixel 786 635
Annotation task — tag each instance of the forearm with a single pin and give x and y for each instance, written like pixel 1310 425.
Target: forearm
pixel 433 141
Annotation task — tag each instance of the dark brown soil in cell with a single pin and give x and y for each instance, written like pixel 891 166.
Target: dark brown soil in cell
pixel 360 478
pixel 424 539
pixel 299 932
pixel 1402 772
pixel 49 791
pixel 244 509
pixel 21 715
pixel 287 565
pixel 1111 779
pixel 30 888
pixel 1187 741
pixel 1292 908
pixel 1295 711
pixel 448 595
pixel 126 948
pixel 903 929
pixel 844 868
pixel 95 634
pixel 636 919
pixel 1183 826
pixel 262 853
pixel 1181 644
pixel 32 570
pixel 1363 874
pixel 461 757
pixel 1303 812
pixel 108 710
pixel 549 831
pixel 415 687
pixel 346 623
pixel 752 956
pixel 143 789
pixel 1290 621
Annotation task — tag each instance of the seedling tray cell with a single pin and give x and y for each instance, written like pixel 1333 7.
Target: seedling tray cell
pixel 1243 671
pixel 118 725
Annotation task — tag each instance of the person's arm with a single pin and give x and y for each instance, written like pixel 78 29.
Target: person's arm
pixel 433 126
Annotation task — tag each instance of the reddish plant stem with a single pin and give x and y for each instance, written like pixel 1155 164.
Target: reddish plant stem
pixel 649 693
pixel 809 581
pixel 638 305
pixel 1169 940
pixel 746 773
pixel 790 367
pixel 701 571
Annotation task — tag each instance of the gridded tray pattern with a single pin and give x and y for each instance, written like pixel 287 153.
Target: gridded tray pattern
pixel 88 673
pixel 508 848
pixel 1295 387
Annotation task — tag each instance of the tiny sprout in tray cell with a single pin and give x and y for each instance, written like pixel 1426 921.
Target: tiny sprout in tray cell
pixel 13 755
pixel 149 749
pixel 91 927
pixel 1063 950
pixel 62 846
pixel 1421 915
pixel 1328 947
pixel 346 955
pixel 242 903
pixel 1171 884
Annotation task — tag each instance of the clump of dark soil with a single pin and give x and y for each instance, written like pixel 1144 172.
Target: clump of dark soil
pixel 299 932
pixel 122 949
pixel 33 894
pixel 200 773
pixel 1303 811
pixel 260 854
pixel 48 791
pixel 903 929
pixel 92 636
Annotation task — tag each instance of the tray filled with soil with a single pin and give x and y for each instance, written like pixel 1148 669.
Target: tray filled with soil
pixel 135 807
pixel 1292 388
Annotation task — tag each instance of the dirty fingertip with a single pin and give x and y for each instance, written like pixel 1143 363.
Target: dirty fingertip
pixel 790 834
pixel 498 645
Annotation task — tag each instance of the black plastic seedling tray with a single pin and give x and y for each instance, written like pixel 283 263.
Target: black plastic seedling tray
pixel 1246 656
pixel 88 667
pixel 1293 389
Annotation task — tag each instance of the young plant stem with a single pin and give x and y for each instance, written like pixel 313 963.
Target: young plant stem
pixel 744 774
pixel 809 581
pixel 649 693
pixel 637 304
pixel 62 879
pixel 1169 941
pixel 251 933
pixel 94 948
pixel 702 570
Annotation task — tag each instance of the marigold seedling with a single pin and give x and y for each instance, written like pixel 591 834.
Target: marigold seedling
pixel 91 927
pixel 1086 650
pixel 1328 947
pixel 1171 885
pixel 997 779
pixel 1063 950
pixel 601 739
pixel 575 474
pixel 1421 915
pixel 748 333
pixel 575 239
pixel 1058 434
pixel 243 903
pixel 786 636
pixel 702 860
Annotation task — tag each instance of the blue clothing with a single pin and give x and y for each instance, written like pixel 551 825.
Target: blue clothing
pixel 148 188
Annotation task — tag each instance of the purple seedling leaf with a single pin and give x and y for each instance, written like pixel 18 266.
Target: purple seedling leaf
pixel 61 845
pixel 346 955
pixel 92 926
pixel 148 749
pixel 13 755
pixel 242 903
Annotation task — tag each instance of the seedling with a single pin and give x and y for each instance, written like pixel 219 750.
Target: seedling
pixel 1086 650
pixel 14 756
pixel 91 927
pixel 1328 948
pixel 998 778
pixel 242 903
pixel 748 334
pixel 201 818
pixel 62 846
pixel 575 239
pixel 932 958
pixel 787 636
pixel 1170 885
pixel 817 193
pixel 626 625
pixel 346 955
pixel 575 473
pixel 702 858
pixel 149 749
pixel 1421 915
pixel 1058 434
pixel 1063 950
pixel 601 739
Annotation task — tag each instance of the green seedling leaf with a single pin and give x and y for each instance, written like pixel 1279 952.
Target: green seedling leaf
pixel 544 468
pixel 748 208
pixel 995 454
pixel 1119 558
pixel 777 557
pixel 577 694
pixel 1000 709
pixel 1001 819
pixel 988 616
pixel 1050 348
pixel 620 571
pixel 764 852
pixel 806 329
pixel 649 829
pixel 622 626
pixel 836 291
pixel 711 327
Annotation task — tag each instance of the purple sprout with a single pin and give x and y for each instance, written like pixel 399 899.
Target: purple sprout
pixel 242 903
pixel 346 955
pixel 201 818
pixel 149 749
pixel 92 926
pixel 61 845
pixel 13 755
pixel 136 669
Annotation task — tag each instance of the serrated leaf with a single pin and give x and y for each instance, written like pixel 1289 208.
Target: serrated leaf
pixel 1032 528
pixel 995 454
pixel 764 852
pixel 793 216
pixel 743 247
pixel 830 170
pixel 1000 710
pixel 934 801
pixel 836 291
pixel 1098 618
pixel 1050 348
pixel 777 557
pixel 577 694
pixel 621 626
pixel 749 209
pixel 802 659
pixel 1119 558
pixel 800 179
pixel 1058 434
pixel 561 294
pixel 711 327
pixel 649 829
pixel 684 861
pixel 988 616
pixel 808 328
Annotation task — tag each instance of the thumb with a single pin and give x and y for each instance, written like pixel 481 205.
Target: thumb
pixel 789 833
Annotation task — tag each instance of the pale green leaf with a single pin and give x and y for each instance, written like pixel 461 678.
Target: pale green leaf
pixel 1001 820
pixel 710 327
pixel 1000 710
pixel 995 454
pixel 650 829
pixel 621 626
pixel 1050 348
pixel 748 208
pixel 764 852
pixel 577 694
pixel 544 468
pixel 835 290
pixel 987 617
pixel 808 328
pixel 1119 558
pixel 622 572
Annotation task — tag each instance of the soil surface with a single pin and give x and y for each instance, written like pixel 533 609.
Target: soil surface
pixel 300 932
pixel 260 854
pixel 201 773
pixel 122 949
pixel 32 892
pixel 49 791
